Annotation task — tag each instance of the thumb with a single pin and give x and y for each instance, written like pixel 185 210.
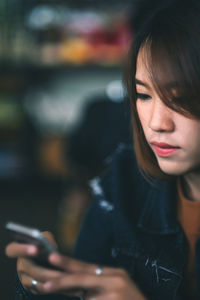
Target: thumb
pixel 50 237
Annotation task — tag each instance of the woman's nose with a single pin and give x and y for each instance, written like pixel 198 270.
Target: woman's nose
pixel 161 118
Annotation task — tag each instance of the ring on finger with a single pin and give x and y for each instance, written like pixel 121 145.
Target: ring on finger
pixel 99 270
pixel 34 284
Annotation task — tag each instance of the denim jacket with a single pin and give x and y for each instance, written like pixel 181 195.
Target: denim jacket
pixel 132 224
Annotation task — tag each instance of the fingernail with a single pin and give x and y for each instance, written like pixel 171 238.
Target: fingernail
pixel 32 250
pixel 47 286
pixel 54 258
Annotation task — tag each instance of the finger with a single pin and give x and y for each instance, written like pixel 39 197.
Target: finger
pixel 69 264
pixel 75 293
pixel 31 269
pixel 27 284
pixel 76 281
pixel 50 237
pixel 16 250
pixel 76 266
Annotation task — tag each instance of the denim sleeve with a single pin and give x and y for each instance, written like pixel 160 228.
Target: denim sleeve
pixel 95 237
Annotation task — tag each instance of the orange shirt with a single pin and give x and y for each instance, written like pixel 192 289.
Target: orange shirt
pixel 189 218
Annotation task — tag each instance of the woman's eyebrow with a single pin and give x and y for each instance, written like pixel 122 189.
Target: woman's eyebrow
pixel 137 81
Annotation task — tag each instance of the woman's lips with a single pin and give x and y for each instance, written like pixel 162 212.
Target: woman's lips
pixel 163 149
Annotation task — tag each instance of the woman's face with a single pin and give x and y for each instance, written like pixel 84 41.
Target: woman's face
pixel 174 138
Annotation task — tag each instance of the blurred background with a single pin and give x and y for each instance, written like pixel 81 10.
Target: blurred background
pixel 63 110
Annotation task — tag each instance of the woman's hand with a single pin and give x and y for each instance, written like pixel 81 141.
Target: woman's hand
pixel 111 284
pixel 26 268
pixel 73 278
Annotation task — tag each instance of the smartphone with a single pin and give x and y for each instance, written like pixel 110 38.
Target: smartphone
pixel 28 235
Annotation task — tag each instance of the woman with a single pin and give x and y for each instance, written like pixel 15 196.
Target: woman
pixel 144 224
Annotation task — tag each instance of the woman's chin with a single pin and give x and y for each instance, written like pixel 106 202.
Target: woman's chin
pixel 173 168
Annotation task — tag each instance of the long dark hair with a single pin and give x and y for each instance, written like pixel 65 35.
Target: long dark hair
pixel 170 39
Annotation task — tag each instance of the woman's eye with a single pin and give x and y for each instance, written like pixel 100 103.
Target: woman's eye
pixel 142 96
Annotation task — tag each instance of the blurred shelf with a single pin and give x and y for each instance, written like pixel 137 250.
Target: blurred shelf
pixel 83 3
pixel 8 65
